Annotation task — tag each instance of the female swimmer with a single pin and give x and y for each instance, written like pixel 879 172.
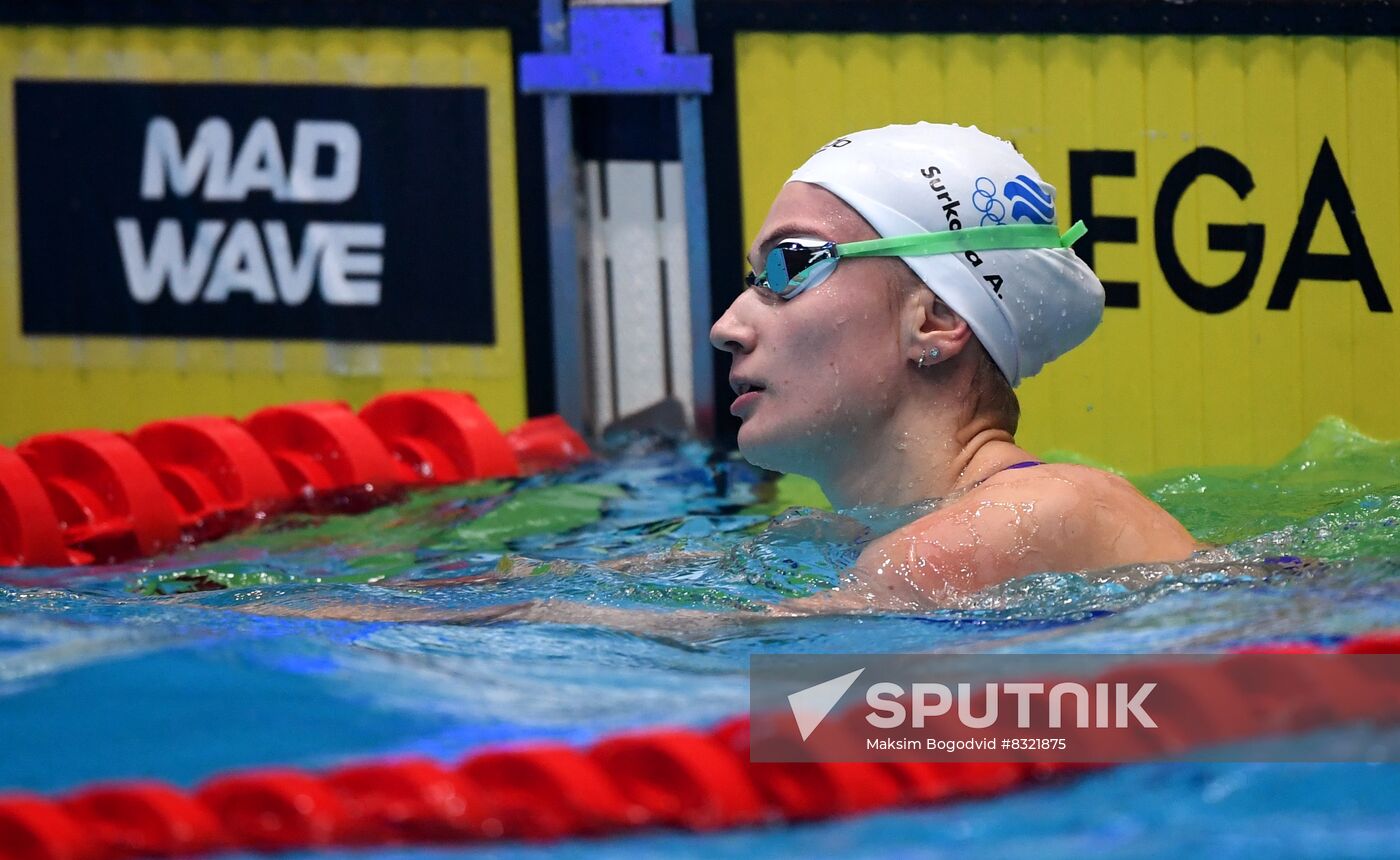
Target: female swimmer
pixel 888 374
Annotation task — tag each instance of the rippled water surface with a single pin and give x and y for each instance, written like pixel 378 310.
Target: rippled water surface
pixel 205 660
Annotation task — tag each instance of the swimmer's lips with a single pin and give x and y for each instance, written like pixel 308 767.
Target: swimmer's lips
pixel 747 393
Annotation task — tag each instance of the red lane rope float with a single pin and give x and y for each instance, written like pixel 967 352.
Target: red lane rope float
pixel 550 791
pixel 694 780
pixel 440 437
pixel 683 778
pixel 278 810
pixel 414 800
pixel 29 530
pixel 547 443
pixel 215 470
pixel 91 495
pixel 35 828
pixel 107 496
pixel 322 448
pixel 808 791
pixel 148 819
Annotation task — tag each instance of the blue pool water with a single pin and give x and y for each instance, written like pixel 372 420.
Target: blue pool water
pixel 174 668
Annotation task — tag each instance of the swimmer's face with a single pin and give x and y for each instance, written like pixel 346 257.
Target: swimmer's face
pixel 820 372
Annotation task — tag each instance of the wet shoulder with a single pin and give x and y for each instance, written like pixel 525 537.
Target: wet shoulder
pixel 1049 485
pixel 1079 517
pixel 1051 517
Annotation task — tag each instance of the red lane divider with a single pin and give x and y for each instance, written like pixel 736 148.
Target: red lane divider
pixel 547 443
pixel 215 470
pixel 414 800
pixel 148 819
pixel 278 810
pixel 440 437
pixel 108 497
pixel 802 791
pixel 684 778
pixel 550 791
pixel 29 530
pixel 1371 643
pixel 35 828
pixel 93 496
pixel 323 448
pixel 666 777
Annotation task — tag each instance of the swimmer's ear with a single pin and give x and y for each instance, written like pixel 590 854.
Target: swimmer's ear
pixel 937 329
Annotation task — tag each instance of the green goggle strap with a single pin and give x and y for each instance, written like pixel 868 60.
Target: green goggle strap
pixel 1002 237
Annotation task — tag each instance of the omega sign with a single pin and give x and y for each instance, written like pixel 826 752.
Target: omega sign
pixel 254 211
pixel 1325 192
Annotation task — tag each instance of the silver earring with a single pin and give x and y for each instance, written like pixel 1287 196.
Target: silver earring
pixel 928 355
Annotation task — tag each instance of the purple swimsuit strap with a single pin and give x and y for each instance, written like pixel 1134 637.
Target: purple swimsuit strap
pixel 1024 464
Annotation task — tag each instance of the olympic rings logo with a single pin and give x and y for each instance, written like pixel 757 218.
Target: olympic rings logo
pixel 984 200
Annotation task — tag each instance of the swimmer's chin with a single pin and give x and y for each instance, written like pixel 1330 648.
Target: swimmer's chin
pixel 768 457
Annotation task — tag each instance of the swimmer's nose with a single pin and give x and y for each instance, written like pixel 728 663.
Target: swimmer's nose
pixel 730 334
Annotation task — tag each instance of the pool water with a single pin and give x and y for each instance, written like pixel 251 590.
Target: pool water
pixel 175 669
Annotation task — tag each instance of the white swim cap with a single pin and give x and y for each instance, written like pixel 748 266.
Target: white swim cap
pixel 1027 307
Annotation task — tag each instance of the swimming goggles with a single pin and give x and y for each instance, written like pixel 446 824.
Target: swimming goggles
pixel 795 265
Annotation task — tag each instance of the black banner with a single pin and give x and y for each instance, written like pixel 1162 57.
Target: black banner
pixel 254 211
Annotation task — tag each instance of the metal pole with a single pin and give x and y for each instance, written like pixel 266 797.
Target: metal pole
pixel 570 363
pixel 697 226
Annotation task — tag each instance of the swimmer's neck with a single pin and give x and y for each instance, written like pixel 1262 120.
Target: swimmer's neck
pixel 932 462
